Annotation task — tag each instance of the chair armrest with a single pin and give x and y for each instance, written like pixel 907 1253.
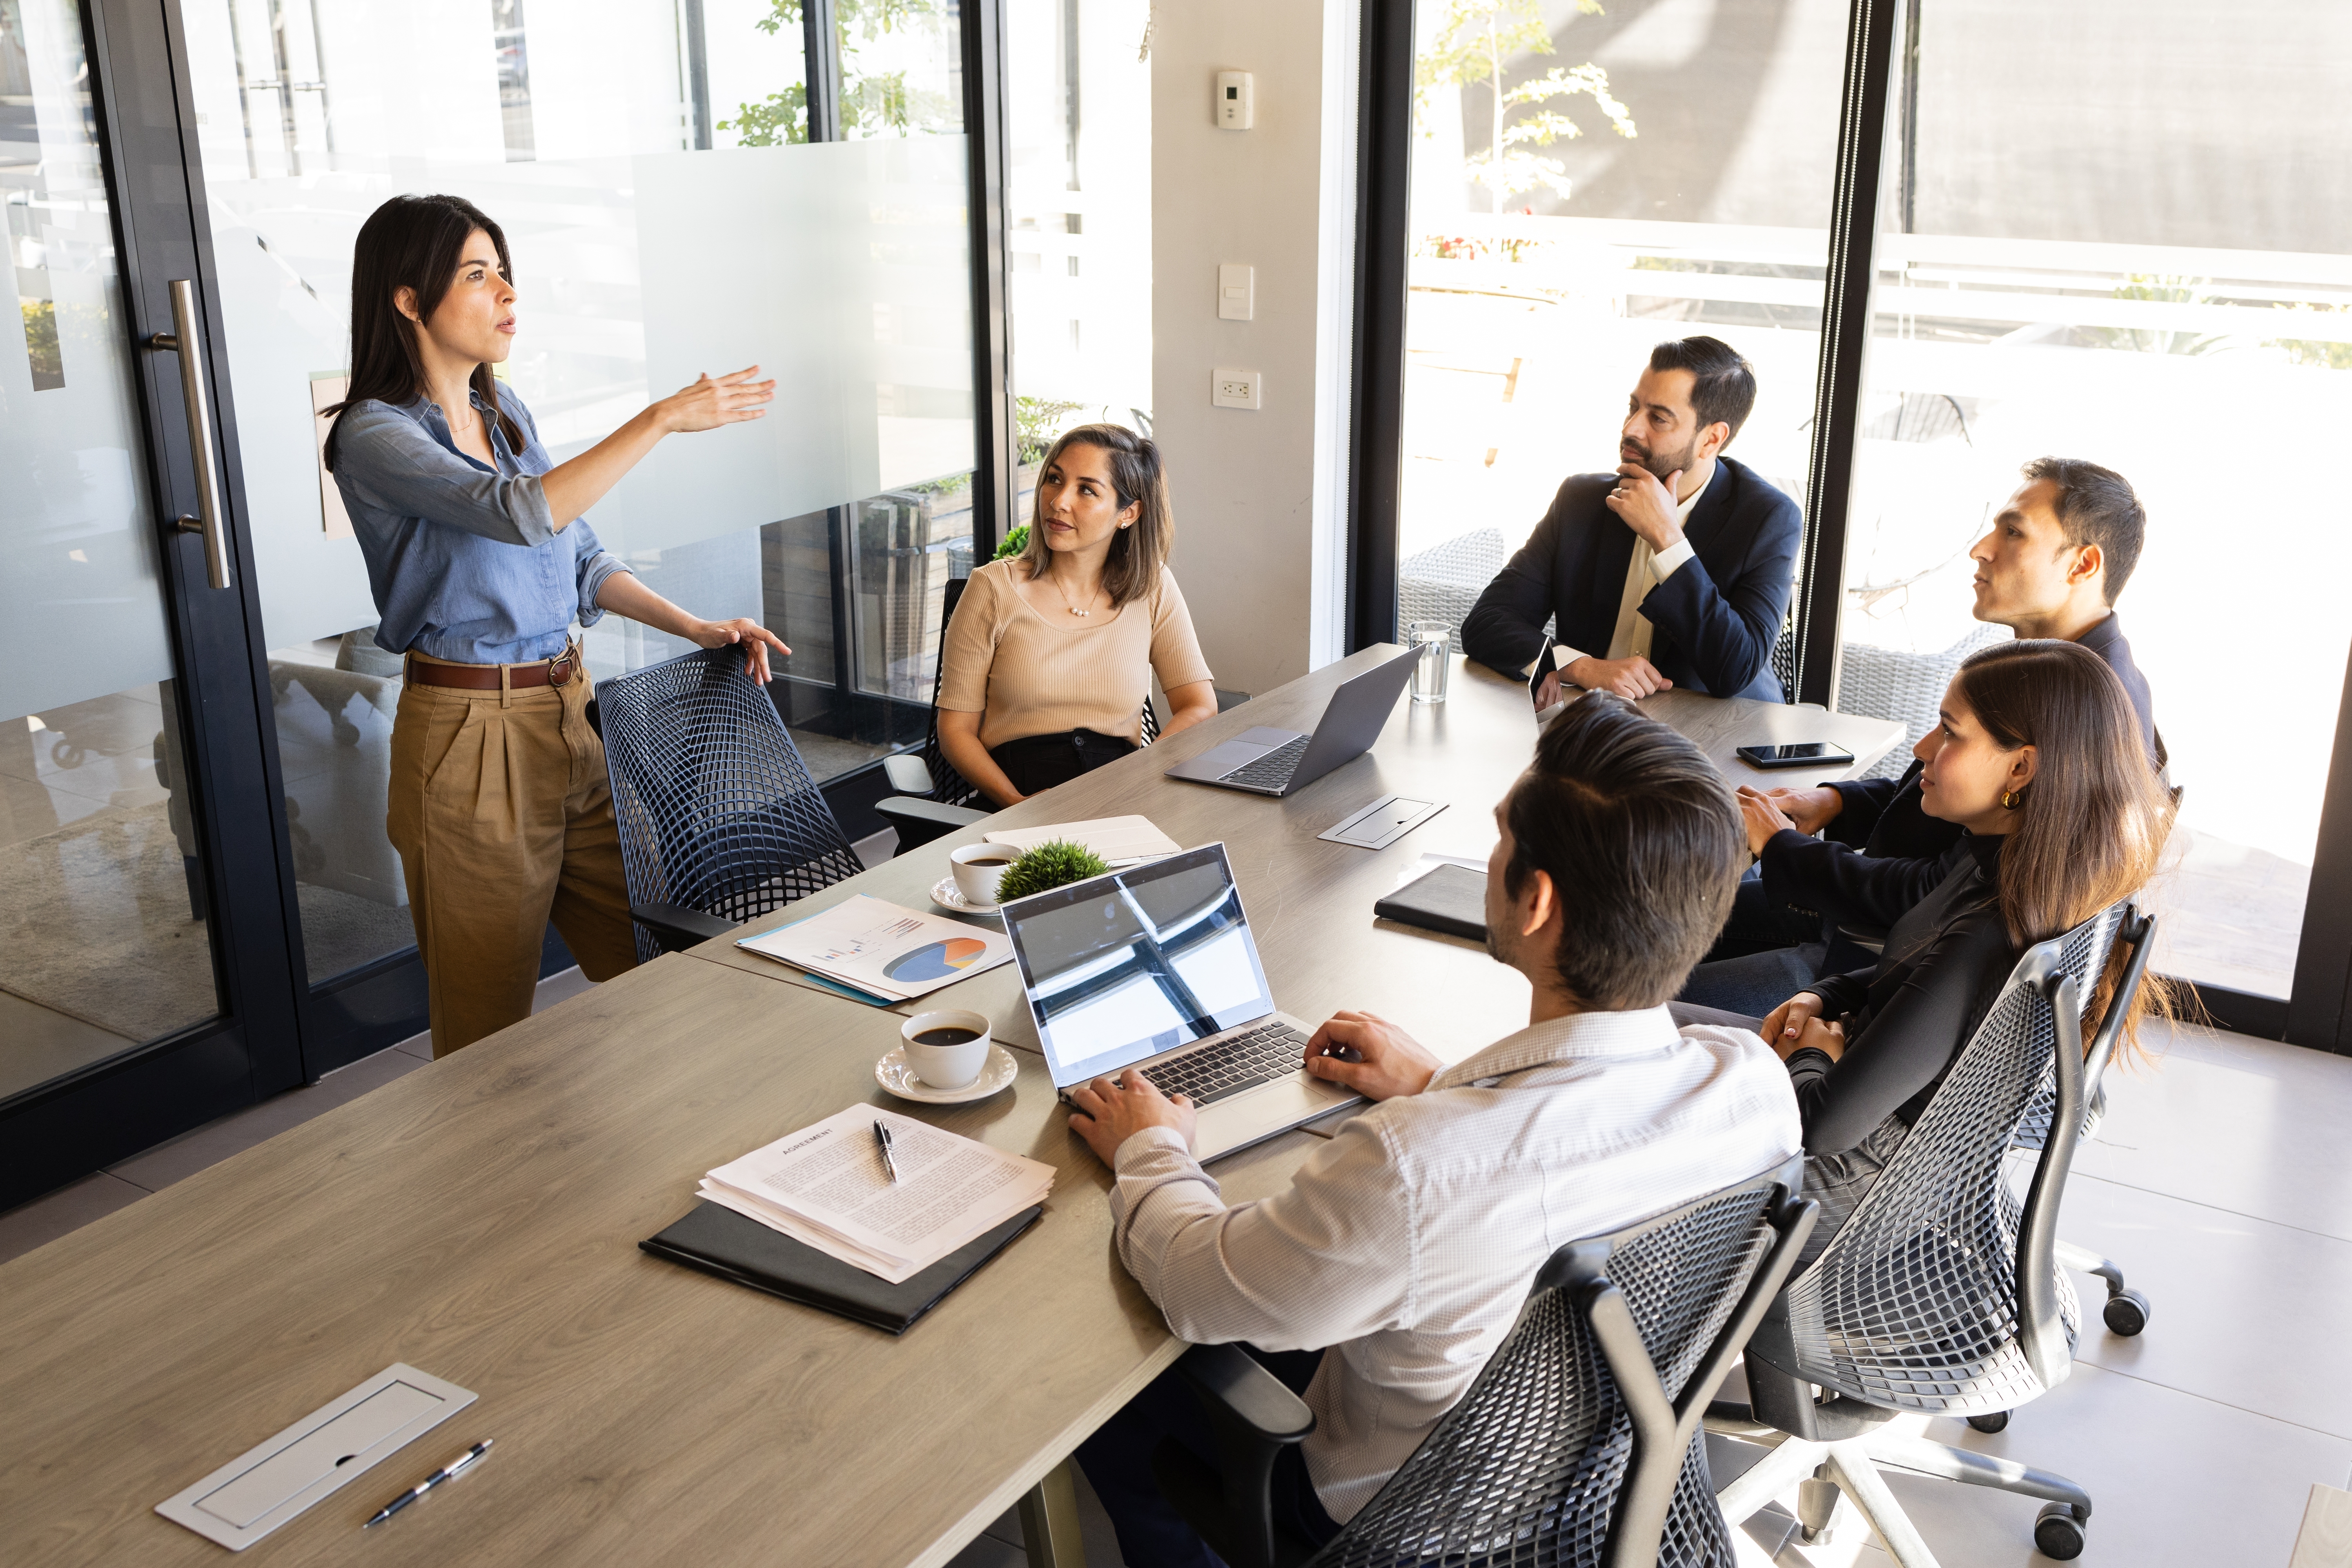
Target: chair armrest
pixel 907 774
pixel 1251 1417
pixel 920 821
pixel 678 928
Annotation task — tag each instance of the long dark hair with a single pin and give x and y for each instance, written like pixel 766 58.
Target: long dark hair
pixel 1137 553
pixel 410 242
pixel 2088 831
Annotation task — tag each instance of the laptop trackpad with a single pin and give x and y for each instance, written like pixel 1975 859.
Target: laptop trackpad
pixel 1238 752
pixel 1289 1101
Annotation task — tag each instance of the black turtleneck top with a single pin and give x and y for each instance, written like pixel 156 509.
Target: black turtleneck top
pixel 1907 1019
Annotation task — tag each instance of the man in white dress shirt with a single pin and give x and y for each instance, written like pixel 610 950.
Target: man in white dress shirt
pixel 1403 1249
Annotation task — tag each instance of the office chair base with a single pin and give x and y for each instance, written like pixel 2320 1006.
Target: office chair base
pixel 1996 1422
pixel 1855 1462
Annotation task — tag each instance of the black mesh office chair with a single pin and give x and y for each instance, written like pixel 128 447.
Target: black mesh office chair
pixel 933 799
pixel 1579 1442
pixel 1942 1294
pixel 719 819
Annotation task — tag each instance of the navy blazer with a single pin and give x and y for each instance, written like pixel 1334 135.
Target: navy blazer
pixel 1713 621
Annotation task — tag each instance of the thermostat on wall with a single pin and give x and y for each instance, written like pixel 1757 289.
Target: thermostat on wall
pixel 1236 105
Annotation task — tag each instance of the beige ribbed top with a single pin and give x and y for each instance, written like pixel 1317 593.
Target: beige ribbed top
pixel 1027 675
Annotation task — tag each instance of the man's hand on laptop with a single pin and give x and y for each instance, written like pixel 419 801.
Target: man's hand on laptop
pixel 1367 1053
pixel 1632 678
pixel 1112 1110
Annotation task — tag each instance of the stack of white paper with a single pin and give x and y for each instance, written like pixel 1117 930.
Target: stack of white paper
pixel 1121 840
pixel 883 949
pixel 826 1185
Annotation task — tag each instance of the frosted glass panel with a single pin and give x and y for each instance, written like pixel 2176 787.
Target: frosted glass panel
pixel 80 610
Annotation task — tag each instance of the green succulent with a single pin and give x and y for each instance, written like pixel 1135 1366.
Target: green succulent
pixel 1014 544
pixel 1051 865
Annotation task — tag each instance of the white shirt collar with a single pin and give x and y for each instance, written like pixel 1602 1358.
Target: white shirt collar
pixel 1576 1035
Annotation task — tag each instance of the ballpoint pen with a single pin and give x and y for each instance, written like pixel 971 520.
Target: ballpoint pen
pixel 445 1473
pixel 882 1136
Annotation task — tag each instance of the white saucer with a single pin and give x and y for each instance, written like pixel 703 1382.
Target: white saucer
pixel 892 1072
pixel 947 895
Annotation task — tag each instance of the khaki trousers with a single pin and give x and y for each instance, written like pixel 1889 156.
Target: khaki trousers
pixel 503 819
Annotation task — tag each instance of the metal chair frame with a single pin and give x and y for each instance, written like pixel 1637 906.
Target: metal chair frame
pixel 1942 1294
pixel 1600 1388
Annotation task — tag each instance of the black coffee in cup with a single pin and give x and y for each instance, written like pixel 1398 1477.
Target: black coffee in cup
pixel 949 1036
pixel 988 859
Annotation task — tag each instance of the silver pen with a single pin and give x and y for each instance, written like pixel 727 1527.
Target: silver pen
pixel 445 1473
pixel 882 1136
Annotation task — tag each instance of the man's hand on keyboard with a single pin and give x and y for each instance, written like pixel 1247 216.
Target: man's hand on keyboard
pixel 1369 1055
pixel 1110 1111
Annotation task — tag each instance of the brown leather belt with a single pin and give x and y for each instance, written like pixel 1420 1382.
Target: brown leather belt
pixel 556 671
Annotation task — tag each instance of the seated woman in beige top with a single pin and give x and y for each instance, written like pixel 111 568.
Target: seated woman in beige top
pixel 1049 659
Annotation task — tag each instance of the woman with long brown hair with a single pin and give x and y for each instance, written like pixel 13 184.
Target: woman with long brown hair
pixel 2038 757
pixel 480 559
pixel 1049 661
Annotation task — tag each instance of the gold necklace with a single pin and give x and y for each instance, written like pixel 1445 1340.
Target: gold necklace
pixel 1062 588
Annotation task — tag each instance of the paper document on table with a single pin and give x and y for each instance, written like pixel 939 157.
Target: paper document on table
pixel 882 947
pixel 826 1185
pixel 1121 840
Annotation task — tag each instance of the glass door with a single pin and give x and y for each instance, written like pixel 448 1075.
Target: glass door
pixel 675 201
pixel 134 987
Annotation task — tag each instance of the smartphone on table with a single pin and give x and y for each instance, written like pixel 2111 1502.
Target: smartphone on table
pixel 1797 754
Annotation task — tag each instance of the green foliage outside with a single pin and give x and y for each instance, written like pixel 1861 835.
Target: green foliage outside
pixel 41 342
pixel 1474 42
pixel 872 103
pixel 2147 341
pixel 2315 351
pixel 1054 864
pixel 1014 544
pixel 1037 421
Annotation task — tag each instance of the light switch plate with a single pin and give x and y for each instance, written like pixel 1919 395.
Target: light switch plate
pixel 267 1485
pixel 1384 822
pixel 1236 291
pixel 1232 388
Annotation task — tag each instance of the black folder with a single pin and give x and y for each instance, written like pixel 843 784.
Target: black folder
pixel 717 1240
pixel 1449 899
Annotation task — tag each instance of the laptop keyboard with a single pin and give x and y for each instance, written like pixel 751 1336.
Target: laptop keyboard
pixel 1226 1069
pixel 1272 770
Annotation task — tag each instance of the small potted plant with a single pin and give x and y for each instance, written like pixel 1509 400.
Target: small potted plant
pixel 1054 864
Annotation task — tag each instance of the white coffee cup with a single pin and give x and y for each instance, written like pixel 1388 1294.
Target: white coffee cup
pixel 946 1066
pixel 978 868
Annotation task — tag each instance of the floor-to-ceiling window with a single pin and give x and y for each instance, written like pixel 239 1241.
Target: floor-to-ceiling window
pixel 1586 182
pixel 2119 231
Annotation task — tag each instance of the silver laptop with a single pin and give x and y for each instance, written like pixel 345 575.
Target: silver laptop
pixel 1153 967
pixel 1276 761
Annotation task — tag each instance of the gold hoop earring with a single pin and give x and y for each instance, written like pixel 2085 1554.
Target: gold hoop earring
pixel 2010 800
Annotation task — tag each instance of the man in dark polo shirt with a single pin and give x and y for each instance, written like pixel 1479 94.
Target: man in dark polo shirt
pixel 2058 554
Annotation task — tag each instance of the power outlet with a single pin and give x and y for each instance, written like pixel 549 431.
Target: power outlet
pixel 1230 388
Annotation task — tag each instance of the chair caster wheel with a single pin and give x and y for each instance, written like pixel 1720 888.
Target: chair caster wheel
pixel 1995 1422
pixel 2126 1313
pixel 2058 1533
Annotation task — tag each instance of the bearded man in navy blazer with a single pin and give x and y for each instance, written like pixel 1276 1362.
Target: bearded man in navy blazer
pixel 1673 571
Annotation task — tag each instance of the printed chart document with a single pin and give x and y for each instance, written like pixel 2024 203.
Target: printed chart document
pixel 883 949
pixel 1121 840
pixel 826 1185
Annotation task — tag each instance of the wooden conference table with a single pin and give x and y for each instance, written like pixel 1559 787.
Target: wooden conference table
pixel 478 1218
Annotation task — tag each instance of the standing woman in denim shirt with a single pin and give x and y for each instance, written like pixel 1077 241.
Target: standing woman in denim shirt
pixel 480 559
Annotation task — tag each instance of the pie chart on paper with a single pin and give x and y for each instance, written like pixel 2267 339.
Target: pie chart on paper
pixel 937 961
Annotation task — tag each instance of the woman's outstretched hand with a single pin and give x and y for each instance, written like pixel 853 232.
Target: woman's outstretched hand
pixel 742 629
pixel 713 401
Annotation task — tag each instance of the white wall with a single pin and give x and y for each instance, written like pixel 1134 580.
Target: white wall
pixel 1244 482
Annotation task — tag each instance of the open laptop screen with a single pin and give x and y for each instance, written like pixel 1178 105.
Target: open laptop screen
pixel 1124 966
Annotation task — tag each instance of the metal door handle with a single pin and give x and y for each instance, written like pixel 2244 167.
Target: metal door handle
pixel 212 518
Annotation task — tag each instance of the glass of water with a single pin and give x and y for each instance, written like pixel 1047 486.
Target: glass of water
pixel 1432 639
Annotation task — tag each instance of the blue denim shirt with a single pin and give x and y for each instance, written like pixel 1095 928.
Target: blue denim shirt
pixel 464 559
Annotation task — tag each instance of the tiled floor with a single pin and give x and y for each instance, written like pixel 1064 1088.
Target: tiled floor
pixel 2217 1182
